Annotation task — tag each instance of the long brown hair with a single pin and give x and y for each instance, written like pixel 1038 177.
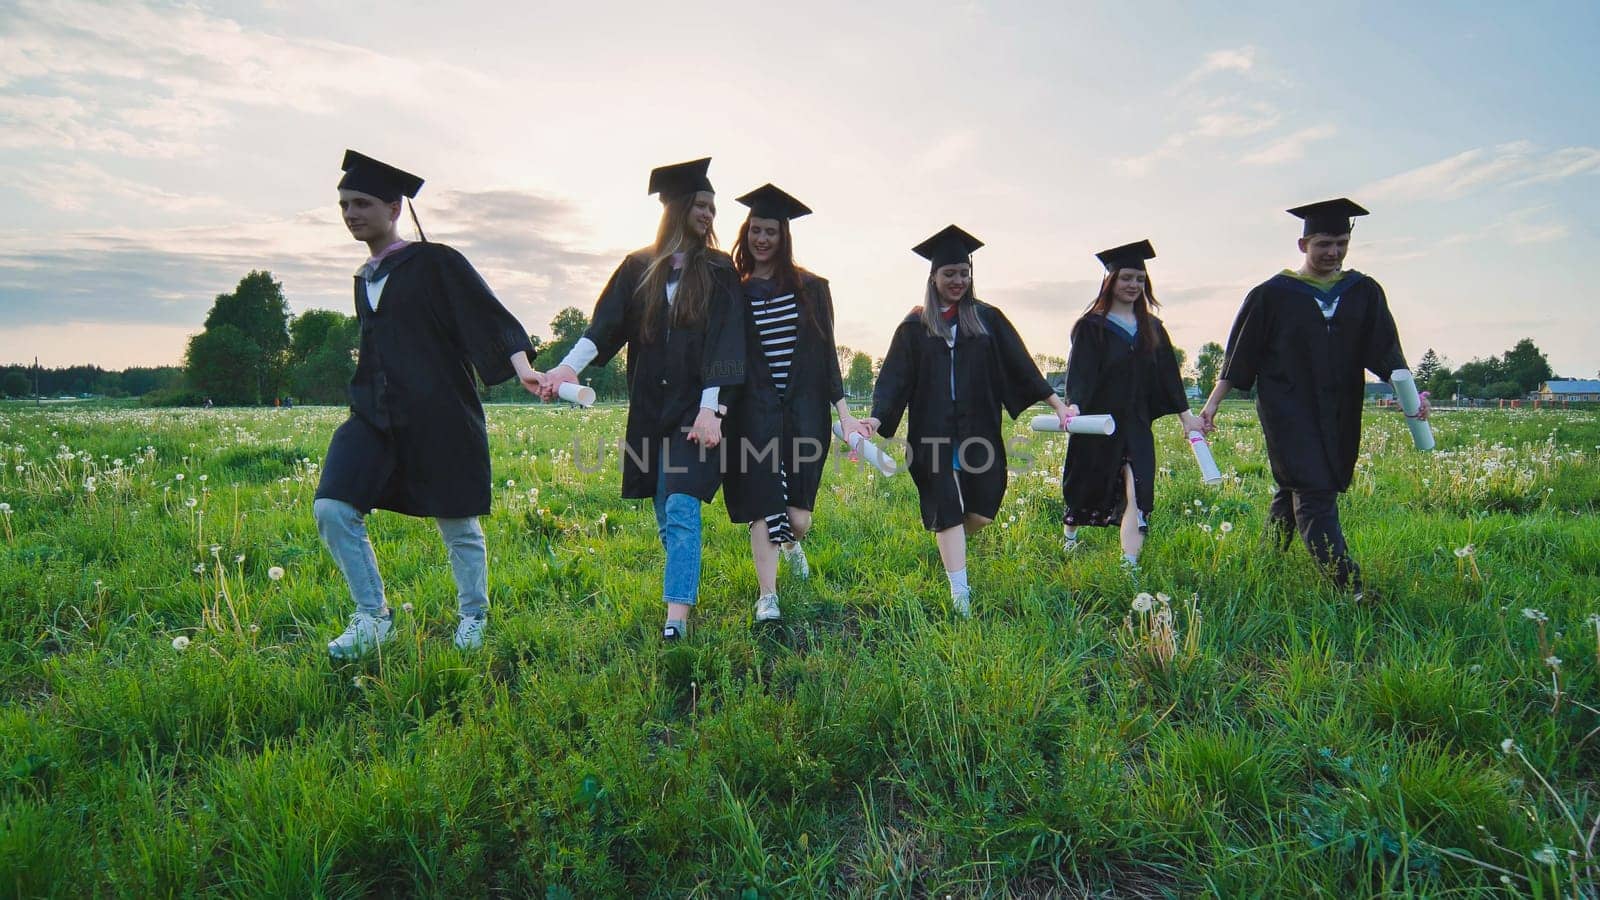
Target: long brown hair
pixel 966 311
pixel 788 275
pixel 1142 308
pixel 693 296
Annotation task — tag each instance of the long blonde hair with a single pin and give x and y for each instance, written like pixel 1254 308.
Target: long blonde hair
pixel 673 235
pixel 966 312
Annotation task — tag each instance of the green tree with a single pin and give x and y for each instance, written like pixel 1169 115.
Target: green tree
pixel 217 360
pixel 610 381
pixel 1476 376
pixel 309 331
pixel 1208 366
pixel 1526 365
pixel 16 384
pixel 859 381
pixel 322 374
pixel 1048 363
pixel 1442 383
pixel 1427 367
pixel 1183 361
pixel 258 314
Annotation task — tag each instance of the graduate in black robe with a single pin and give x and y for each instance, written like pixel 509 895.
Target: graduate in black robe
pixel 779 433
pixel 415 442
pixel 956 363
pixel 1303 339
pixel 1121 364
pixel 675 306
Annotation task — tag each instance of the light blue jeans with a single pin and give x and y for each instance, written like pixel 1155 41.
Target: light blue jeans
pixel 678 525
pixel 344 531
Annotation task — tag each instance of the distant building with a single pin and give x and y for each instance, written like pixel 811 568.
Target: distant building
pixel 1380 391
pixel 1576 390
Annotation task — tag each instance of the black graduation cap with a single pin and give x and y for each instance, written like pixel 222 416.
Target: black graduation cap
pixel 1329 216
pixel 679 179
pixel 948 247
pixel 1128 256
pixel 768 202
pixel 369 176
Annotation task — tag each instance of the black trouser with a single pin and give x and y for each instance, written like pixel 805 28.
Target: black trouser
pixel 1315 514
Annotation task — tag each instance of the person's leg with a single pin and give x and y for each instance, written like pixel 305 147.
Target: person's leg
pixel 765 554
pixel 1132 520
pixel 469 563
pixel 799 523
pixel 1280 527
pixel 344 531
pixel 953 553
pixel 1317 517
pixel 678 521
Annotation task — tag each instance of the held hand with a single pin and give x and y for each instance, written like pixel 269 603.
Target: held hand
pixel 1191 422
pixel 1072 410
pixel 1422 411
pixel 532 381
pixel 1208 419
pixel 851 425
pixel 869 426
pixel 554 379
pixel 707 430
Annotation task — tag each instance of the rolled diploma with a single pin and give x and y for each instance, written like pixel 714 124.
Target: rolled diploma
pixel 1101 425
pixel 869 451
pixel 1209 473
pixel 1405 388
pixel 573 392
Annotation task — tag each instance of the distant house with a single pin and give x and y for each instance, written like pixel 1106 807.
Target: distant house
pixel 1377 390
pixel 1576 390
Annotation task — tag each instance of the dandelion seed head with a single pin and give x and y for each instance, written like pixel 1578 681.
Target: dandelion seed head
pixel 1225 527
pixel 204 477
pixel 407 607
pixel 275 573
pixel 199 568
pixel 1546 855
pixel 191 503
pixel 1143 602
pixel 1553 662
pixel 178 477
pixel 1508 745
pixel 5 509
pixel 180 642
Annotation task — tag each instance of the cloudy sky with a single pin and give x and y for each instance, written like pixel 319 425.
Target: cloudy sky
pixel 153 153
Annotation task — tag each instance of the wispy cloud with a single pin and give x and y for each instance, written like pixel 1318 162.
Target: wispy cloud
pixel 1238 59
pixel 77 185
pixel 146 81
pixel 1513 164
pixel 1530 225
pixel 1290 147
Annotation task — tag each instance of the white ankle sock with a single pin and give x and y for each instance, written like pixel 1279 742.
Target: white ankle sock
pixel 1069 532
pixel 958 582
pixel 1130 560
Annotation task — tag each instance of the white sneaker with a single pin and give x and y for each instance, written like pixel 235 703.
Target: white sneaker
pixel 469 633
pixel 1068 545
pixel 962 602
pixel 796 558
pixel 365 632
pixel 767 608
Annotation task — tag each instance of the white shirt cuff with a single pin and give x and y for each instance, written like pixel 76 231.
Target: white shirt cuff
pixel 708 398
pixel 581 354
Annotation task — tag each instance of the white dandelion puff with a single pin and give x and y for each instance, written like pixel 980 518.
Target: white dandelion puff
pixel 1225 527
pixel 1143 602
pixel 1508 745
pixel 275 573
pixel 180 643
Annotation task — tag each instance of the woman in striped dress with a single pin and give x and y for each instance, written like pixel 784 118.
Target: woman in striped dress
pixel 780 430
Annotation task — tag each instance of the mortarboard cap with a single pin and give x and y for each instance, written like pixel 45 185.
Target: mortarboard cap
pixel 1128 256
pixel 1329 216
pixel 768 202
pixel 948 247
pixel 369 176
pixel 679 179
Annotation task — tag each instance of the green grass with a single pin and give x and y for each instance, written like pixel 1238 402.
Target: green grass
pixel 871 745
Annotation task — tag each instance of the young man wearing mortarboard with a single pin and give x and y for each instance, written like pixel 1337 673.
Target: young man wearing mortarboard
pixel 415 442
pixel 1302 339
pixel 675 305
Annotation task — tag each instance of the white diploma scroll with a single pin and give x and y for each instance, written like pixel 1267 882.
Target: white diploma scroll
pixel 572 392
pixel 1101 425
pixel 1209 473
pixel 869 451
pixel 1405 388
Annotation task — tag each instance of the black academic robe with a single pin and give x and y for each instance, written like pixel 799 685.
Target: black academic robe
pixel 955 396
pixel 415 442
pixel 1307 372
pixel 666 375
pixel 1108 375
pixel 763 430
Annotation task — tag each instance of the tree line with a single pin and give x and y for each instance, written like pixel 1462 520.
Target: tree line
pixel 251 351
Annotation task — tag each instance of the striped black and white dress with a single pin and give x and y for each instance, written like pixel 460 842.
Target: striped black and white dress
pixel 777 319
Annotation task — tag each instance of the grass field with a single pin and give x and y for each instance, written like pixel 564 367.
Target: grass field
pixel 172 725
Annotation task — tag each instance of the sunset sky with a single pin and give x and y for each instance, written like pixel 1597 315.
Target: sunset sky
pixel 151 154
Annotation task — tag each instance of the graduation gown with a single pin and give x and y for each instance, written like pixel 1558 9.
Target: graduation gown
pixel 415 442
pixel 799 424
pixel 1106 374
pixel 666 375
pixel 955 395
pixel 1307 372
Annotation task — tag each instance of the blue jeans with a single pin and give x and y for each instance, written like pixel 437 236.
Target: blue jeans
pixel 678 525
pixel 344 531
